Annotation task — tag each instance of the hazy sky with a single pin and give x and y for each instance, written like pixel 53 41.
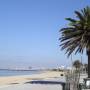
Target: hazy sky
pixel 29 31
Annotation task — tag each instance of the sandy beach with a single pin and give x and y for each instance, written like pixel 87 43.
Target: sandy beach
pixel 18 82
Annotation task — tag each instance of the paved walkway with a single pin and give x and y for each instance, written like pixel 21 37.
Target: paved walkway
pixel 32 87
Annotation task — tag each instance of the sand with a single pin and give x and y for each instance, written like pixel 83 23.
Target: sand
pixel 18 82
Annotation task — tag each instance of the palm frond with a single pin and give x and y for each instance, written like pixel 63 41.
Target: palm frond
pixel 79 15
pixel 76 36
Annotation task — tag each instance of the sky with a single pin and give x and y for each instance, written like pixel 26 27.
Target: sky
pixel 29 32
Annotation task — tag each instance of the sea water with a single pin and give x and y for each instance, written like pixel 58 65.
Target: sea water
pixel 17 72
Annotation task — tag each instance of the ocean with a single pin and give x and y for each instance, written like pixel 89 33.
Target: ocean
pixel 16 73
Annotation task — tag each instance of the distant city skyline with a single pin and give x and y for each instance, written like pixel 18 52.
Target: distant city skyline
pixel 29 32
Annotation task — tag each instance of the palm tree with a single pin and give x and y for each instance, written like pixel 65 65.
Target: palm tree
pixel 76 36
pixel 77 64
pixel 86 68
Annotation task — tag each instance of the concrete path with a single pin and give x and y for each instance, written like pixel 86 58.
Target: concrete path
pixel 32 87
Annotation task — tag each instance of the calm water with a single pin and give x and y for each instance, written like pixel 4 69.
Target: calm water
pixel 14 73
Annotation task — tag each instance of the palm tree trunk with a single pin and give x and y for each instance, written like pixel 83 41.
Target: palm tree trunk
pixel 88 53
pixel 89 65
